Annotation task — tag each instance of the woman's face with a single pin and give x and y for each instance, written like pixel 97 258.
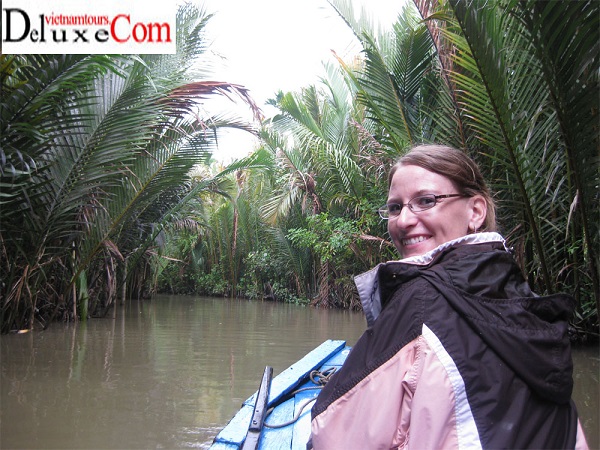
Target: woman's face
pixel 416 233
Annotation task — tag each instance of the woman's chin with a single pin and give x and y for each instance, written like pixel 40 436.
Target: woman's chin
pixel 419 249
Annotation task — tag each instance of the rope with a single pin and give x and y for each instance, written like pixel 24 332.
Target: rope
pixel 321 378
pixel 318 378
pixel 296 417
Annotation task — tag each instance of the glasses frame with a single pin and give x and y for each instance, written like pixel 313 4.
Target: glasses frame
pixel 384 211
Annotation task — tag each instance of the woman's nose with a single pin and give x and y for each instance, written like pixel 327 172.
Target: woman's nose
pixel 406 217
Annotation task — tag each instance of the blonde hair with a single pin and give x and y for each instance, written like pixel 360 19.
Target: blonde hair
pixel 458 168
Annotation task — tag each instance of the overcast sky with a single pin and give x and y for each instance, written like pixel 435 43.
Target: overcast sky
pixel 271 45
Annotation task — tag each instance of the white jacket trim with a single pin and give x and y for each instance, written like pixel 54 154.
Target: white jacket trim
pixel 468 436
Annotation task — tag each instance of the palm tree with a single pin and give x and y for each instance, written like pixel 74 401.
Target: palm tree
pixel 398 82
pixel 96 153
pixel 533 102
pixel 322 150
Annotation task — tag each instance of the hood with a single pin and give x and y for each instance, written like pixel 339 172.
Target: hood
pixel 528 332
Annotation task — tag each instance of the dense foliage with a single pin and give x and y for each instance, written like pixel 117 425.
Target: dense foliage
pixel 513 83
pixel 97 157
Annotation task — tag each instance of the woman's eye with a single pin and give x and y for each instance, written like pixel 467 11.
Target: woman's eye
pixel 424 202
pixel 394 208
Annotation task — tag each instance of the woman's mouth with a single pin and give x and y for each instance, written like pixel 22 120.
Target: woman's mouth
pixel 413 240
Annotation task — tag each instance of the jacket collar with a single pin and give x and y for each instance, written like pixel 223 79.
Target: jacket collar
pixel 368 285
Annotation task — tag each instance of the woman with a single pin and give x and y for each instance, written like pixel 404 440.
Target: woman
pixel 459 351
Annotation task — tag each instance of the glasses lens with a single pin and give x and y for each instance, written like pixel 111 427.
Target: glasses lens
pixel 391 210
pixel 384 212
pixel 422 202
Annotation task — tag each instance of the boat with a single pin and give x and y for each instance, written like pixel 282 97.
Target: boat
pixel 277 415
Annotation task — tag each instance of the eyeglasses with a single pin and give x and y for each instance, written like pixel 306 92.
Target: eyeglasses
pixel 416 204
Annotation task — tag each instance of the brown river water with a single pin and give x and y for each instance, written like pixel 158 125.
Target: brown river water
pixel 169 373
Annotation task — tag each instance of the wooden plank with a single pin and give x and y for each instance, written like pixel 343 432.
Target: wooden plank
pixel 260 410
pixel 236 429
pixel 223 446
pixel 279 438
pixel 338 359
pixel 301 431
pixel 290 378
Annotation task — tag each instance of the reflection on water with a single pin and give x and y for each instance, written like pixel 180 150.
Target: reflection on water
pixel 165 374
pixel 171 372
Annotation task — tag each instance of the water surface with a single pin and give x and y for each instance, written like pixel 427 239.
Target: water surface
pixel 169 373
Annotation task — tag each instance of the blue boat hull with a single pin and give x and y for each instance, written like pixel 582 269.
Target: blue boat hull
pixel 329 355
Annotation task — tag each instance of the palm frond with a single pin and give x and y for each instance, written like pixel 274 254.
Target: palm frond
pixel 514 83
pixel 390 83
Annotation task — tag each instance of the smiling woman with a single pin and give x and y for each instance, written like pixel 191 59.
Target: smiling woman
pixel 436 175
pixel 457 323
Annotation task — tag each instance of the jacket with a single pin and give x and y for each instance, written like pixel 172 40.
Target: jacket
pixel 459 353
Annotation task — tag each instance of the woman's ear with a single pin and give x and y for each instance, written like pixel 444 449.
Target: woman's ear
pixel 478 207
